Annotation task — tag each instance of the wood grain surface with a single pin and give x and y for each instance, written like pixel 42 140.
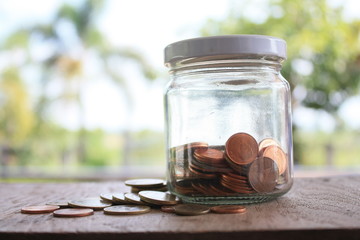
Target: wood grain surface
pixel 326 208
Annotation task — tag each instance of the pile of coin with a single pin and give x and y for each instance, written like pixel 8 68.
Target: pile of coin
pixel 129 203
pixel 241 166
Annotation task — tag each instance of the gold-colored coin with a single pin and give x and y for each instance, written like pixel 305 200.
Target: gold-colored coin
pixel 191 209
pixel 73 212
pixel 39 209
pixel 133 198
pixel 127 210
pixel 145 182
pixel 158 198
pixel 94 203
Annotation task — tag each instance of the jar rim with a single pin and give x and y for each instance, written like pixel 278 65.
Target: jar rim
pixel 225 45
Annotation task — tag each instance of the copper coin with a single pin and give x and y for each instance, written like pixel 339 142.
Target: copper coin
pixel 185 151
pixel 228 209
pixel 195 145
pixel 221 168
pixel 242 148
pixel 184 187
pixel 39 209
pixel 204 189
pixel 278 155
pixel 200 167
pixel 201 174
pixel 238 169
pixel 191 209
pixel 266 143
pixel 221 190
pixel 237 176
pixel 238 189
pixel 263 174
pixel 168 209
pixel 210 163
pixel 235 185
pixel 232 179
pixel 209 153
pixel 145 182
pixel 73 212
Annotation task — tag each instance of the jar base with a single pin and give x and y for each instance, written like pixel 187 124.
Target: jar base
pixel 233 200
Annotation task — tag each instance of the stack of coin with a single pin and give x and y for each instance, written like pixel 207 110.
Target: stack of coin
pixel 241 166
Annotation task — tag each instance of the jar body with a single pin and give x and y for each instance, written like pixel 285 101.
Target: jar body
pixel 229 132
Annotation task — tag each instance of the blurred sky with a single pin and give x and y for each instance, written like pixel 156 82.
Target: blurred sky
pixel 149 26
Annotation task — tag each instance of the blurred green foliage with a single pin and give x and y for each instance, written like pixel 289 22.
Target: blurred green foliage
pixel 315 33
pixel 323 49
pixel 316 149
pixel 58 52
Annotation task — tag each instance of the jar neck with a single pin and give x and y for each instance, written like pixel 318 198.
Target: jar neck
pixel 211 64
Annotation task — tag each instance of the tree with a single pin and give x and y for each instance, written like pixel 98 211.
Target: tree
pixel 323 49
pixel 67 43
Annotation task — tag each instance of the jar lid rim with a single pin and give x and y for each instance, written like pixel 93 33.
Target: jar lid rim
pixel 225 45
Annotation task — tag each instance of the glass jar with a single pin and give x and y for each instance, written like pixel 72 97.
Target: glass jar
pixel 228 120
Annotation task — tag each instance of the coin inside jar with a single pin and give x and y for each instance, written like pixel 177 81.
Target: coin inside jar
pixel 278 155
pixel 263 174
pixel 209 154
pixel 266 143
pixel 73 212
pixel 241 148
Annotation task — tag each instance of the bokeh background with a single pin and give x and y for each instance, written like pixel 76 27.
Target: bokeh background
pixel 82 81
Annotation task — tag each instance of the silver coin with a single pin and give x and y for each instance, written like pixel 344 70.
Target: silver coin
pixel 159 198
pixel 127 209
pixel 145 182
pixel 94 203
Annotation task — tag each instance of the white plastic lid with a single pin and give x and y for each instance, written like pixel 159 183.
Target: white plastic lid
pixel 225 45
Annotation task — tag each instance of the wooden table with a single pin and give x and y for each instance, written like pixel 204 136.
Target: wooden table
pixel 326 208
